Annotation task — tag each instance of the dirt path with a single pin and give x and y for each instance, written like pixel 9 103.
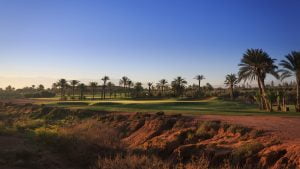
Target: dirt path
pixel 286 128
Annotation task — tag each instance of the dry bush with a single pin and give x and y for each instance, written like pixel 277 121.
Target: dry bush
pixel 93 132
pixel 246 151
pixel 81 143
pixel 29 124
pixel 208 129
pixel 238 129
pixel 131 162
pixel 196 163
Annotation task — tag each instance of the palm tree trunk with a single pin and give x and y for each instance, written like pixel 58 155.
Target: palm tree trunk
pixel 129 90
pixel 124 89
pixel 262 105
pixel 93 91
pixel 199 87
pixel 231 92
pixel 283 104
pixel 298 96
pixel 104 92
pixel 73 88
pixel 61 93
pixel 264 95
pixel 278 102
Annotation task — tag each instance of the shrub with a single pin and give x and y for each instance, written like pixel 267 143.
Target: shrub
pixel 208 129
pixel 238 129
pixel 42 94
pixel 29 124
pixel 245 151
pixel 130 162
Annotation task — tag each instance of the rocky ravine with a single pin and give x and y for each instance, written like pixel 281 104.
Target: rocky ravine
pixel 175 138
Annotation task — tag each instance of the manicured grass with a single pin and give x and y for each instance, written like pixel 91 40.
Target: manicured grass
pixel 194 107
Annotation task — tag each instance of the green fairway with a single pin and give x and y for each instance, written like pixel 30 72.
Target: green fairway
pixel 195 107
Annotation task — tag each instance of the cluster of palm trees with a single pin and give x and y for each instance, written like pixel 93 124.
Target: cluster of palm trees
pixel 178 86
pixel 256 64
pixel 63 84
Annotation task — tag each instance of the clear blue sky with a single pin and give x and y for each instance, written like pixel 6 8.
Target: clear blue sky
pixel 144 39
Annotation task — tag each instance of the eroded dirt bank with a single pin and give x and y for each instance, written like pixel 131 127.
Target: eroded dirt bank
pixel 287 129
pixel 33 136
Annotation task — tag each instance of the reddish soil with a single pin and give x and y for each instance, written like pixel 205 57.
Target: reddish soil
pixel 286 128
pixel 173 137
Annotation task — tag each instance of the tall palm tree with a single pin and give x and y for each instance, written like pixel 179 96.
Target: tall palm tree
pixel 199 78
pixel 149 87
pixel 178 84
pixel 104 79
pixel 94 87
pixel 74 83
pixel 255 65
pixel 129 85
pixel 123 81
pixel 110 86
pixel 291 67
pixel 62 83
pixel 231 81
pixel 163 83
pixel 82 88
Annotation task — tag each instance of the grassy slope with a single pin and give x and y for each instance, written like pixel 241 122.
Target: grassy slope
pixel 195 107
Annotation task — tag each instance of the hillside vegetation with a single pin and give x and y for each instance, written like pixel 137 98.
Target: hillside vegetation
pixel 49 137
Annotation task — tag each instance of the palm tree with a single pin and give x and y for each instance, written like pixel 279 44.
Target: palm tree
pixel 81 88
pixel 123 81
pixel 255 65
pixel 73 84
pixel 54 87
pixel 104 79
pixel 110 85
pixel 41 87
pixel 68 86
pixel 129 84
pixel 149 87
pixel 163 83
pixel 178 85
pixel 291 67
pixel 62 83
pixel 93 86
pixel 199 78
pixel 231 81
pixel 138 89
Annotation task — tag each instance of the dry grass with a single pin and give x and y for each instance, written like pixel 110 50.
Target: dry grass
pixel 131 162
